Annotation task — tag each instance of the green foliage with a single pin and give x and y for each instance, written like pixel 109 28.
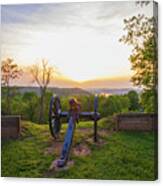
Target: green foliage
pixel 17 106
pixel 107 123
pixel 30 100
pixel 144 65
pixel 125 155
pixel 134 100
pixel 48 96
pixel 142 36
pixel 9 71
pixel 3 106
pixel 42 74
pixel 113 104
pixel 28 104
pixel 149 101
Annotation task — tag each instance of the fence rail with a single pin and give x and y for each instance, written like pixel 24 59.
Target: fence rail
pixel 136 122
pixel 10 127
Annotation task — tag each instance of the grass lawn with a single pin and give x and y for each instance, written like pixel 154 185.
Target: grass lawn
pixel 120 155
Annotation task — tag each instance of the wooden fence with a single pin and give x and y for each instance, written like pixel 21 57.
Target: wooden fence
pixel 136 122
pixel 10 127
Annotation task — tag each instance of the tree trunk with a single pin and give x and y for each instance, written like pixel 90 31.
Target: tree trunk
pixel 41 116
pixel 8 100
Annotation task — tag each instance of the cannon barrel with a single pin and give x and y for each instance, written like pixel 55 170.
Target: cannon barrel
pixel 55 114
pixel 86 115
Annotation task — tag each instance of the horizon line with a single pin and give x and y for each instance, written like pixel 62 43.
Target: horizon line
pixel 37 86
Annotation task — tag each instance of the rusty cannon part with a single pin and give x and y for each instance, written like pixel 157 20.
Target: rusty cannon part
pixel 73 115
pixel 56 113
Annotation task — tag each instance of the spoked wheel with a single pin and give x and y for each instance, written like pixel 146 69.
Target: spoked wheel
pixel 54 116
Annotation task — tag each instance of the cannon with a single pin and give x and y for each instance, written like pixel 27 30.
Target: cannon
pixel 73 115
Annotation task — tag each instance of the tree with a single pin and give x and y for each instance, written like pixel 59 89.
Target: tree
pixel 10 71
pixel 42 74
pixel 114 104
pixel 142 35
pixel 31 101
pixel 148 100
pixel 17 105
pixel 134 100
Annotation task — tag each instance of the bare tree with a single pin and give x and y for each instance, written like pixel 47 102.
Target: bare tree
pixel 10 71
pixel 42 74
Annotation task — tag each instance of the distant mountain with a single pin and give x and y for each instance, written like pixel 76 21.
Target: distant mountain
pixel 114 91
pixel 77 91
pixel 111 83
pixel 26 80
pixel 56 90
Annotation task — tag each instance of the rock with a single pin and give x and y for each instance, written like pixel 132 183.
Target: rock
pixel 54 167
pixel 81 150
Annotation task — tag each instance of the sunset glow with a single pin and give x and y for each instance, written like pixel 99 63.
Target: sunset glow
pixel 80 39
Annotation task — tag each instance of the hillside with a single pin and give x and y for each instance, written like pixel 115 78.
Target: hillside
pixel 121 155
pixel 55 90
pixel 113 91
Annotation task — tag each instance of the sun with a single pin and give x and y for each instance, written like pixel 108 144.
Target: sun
pixel 79 55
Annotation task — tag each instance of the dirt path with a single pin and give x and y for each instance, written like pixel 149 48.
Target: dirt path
pixel 55 146
pixel 78 149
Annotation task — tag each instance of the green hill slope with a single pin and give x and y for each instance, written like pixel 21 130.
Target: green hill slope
pixel 121 155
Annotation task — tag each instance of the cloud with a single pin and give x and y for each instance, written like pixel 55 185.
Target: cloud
pixel 25 21
pixel 71 35
pixel 93 15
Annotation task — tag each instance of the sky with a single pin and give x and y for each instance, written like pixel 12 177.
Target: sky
pixel 80 39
